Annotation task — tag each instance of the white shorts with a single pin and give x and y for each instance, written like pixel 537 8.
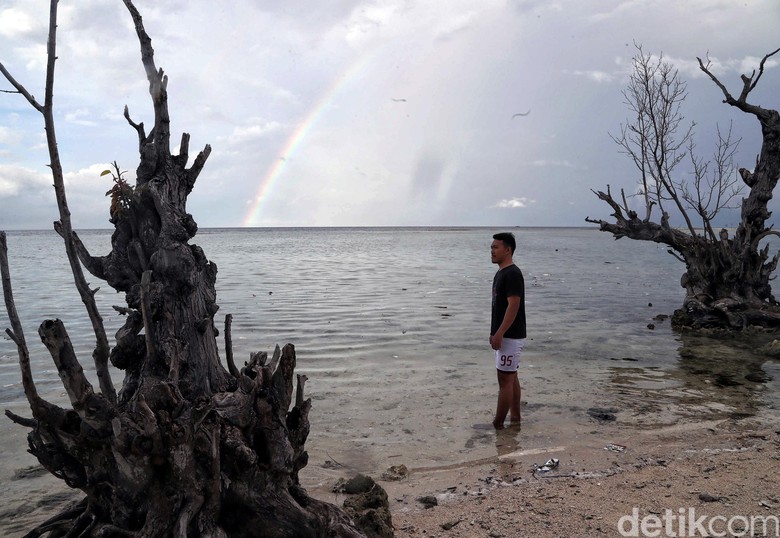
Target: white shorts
pixel 508 356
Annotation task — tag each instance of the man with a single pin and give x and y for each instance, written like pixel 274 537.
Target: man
pixel 507 327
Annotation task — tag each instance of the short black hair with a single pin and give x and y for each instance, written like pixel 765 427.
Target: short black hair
pixel 508 238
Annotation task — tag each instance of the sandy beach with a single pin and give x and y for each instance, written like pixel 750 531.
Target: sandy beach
pixel 721 474
pixel 726 471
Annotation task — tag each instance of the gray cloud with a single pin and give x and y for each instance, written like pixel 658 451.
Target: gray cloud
pixel 314 83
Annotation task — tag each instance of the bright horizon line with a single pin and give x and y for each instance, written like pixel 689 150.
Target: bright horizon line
pixel 344 227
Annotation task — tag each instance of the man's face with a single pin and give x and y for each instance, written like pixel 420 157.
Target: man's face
pixel 499 252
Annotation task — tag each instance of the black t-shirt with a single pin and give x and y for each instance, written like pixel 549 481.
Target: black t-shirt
pixel 508 282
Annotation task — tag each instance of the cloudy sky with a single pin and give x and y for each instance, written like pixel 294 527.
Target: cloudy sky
pixel 367 112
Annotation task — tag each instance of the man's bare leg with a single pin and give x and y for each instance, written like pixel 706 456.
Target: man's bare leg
pixel 506 397
pixel 514 410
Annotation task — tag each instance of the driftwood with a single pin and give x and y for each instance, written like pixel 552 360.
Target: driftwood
pixel 727 278
pixel 187 447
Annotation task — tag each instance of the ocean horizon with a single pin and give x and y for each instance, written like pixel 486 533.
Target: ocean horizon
pixel 354 227
pixel 391 326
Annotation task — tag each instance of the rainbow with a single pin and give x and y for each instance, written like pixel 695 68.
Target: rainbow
pixel 295 140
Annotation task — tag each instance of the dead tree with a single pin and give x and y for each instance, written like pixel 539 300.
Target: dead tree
pixel 727 279
pixel 187 447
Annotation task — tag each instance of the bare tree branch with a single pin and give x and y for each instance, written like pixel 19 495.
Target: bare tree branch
pixel 761 69
pixel 17 332
pixel 653 138
pixel 229 346
pixel 139 127
pixel 748 84
pixel 158 83
pixel 56 339
pixel 727 280
pixel 19 89
pixel 63 226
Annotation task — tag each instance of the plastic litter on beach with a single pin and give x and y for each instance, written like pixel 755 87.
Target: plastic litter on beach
pixel 612 447
pixel 549 465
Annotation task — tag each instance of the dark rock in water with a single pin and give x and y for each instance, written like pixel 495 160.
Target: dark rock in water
pixel 723 380
pixel 603 414
pixel 30 472
pixel 651 326
pixel 772 349
pixel 370 510
pixel 759 377
pixel 59 498
pixel 359 484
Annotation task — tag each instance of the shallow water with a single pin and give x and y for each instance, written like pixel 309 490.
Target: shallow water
pixel 391 328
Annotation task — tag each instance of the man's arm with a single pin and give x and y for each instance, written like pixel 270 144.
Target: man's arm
pixel 509 318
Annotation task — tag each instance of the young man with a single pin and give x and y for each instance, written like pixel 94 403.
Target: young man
pixel 507 326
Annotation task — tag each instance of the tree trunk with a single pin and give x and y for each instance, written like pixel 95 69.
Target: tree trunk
pixel 727 280
pixel 727 283
pixel 188 448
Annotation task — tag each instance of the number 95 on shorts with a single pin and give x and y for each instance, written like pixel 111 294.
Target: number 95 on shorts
pixel 508 356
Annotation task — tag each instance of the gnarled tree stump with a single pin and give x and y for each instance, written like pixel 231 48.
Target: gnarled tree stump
pixel 187 447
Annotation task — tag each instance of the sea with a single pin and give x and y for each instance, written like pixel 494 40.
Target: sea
pixel 391 327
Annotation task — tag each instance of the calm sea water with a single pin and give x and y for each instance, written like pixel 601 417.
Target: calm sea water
pixel 391 327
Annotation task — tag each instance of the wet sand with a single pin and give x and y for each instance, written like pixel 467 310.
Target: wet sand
pixel 724 467
pixel 725 471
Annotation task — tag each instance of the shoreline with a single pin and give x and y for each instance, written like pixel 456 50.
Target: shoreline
pixel 726 471
pixel 722 468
